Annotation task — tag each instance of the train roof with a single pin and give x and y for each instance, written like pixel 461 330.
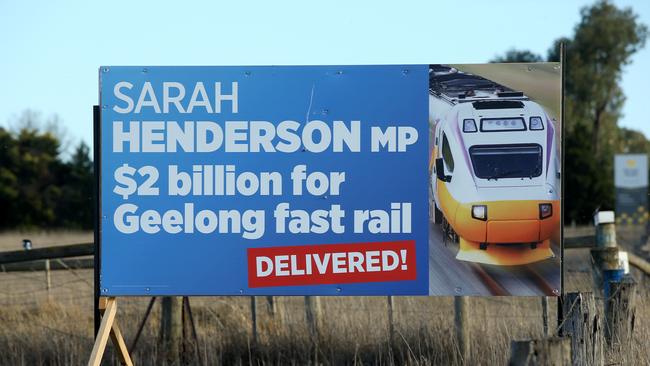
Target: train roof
pixel 456 87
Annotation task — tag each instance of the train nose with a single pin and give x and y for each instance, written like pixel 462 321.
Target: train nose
pixel 523 221
pixel 503 255
pixel 507 232
pixel 513 231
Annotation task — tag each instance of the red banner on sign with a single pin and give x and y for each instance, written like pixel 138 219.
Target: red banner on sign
pixel 331 263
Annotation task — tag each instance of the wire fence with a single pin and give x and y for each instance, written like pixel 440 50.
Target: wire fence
pixel 26 301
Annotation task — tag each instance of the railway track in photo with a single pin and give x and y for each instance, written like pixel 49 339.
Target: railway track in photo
pixel 519 280
pixel 448 275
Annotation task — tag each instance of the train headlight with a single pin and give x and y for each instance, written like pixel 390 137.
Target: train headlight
pixel 536 124
pixel 479 212
pixel 469 125
pixel 545 210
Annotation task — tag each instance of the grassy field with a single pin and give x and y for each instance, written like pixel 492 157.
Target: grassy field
pixel 55 328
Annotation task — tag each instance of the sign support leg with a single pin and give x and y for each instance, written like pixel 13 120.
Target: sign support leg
pixel 142 324
pixel 108 328
pixel 186 301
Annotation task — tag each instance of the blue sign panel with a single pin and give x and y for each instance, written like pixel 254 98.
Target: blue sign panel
pixel 294 180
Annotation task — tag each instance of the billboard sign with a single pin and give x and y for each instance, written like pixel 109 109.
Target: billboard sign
pixel 327 180
pixel 631 183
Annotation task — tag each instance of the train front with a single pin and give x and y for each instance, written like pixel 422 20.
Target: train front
pixel 503 199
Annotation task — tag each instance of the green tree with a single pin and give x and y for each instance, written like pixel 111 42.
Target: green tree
pixel 76 210
pixel 632 142
pixel 37 187
pixel 9 189
pixel 38 173
pixel 514 55
pixel 603 43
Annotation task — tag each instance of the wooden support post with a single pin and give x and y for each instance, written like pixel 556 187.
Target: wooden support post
pixel 583 325
pixel 95 246
pixel 461 325
pixel 118 342
pixel 142 323
pixel 270 306
pixel 188 310
pixel 620 313
pixel 311 318
pixel 253 321
pixel 108 328
pixel 171 327
pixel 545 315
pixel 545 352
pixel 391 326
pixel 48 279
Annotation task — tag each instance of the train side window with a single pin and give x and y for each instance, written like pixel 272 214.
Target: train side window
pixel 446 154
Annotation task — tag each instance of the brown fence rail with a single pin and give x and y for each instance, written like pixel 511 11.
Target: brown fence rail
pixel 42 265
pixel 63 251
pixel 9 260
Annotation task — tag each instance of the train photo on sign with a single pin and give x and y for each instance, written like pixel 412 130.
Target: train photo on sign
pixel 494 168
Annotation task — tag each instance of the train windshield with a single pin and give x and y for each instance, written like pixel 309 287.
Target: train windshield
pixel 507 161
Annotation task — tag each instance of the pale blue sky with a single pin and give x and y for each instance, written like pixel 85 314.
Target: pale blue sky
pixel 50 51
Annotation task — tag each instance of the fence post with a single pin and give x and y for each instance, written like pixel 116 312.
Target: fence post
pixel 553 351
pixel 545 315
pixel 254 321
pixel 172 327
pixel 620 313
pixel 48 279
pixel 271 306
pixel 461 325
pixel 583 325
pixel 310 316
pixel 391 327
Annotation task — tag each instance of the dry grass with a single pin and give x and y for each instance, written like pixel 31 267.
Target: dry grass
pixel 57 329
